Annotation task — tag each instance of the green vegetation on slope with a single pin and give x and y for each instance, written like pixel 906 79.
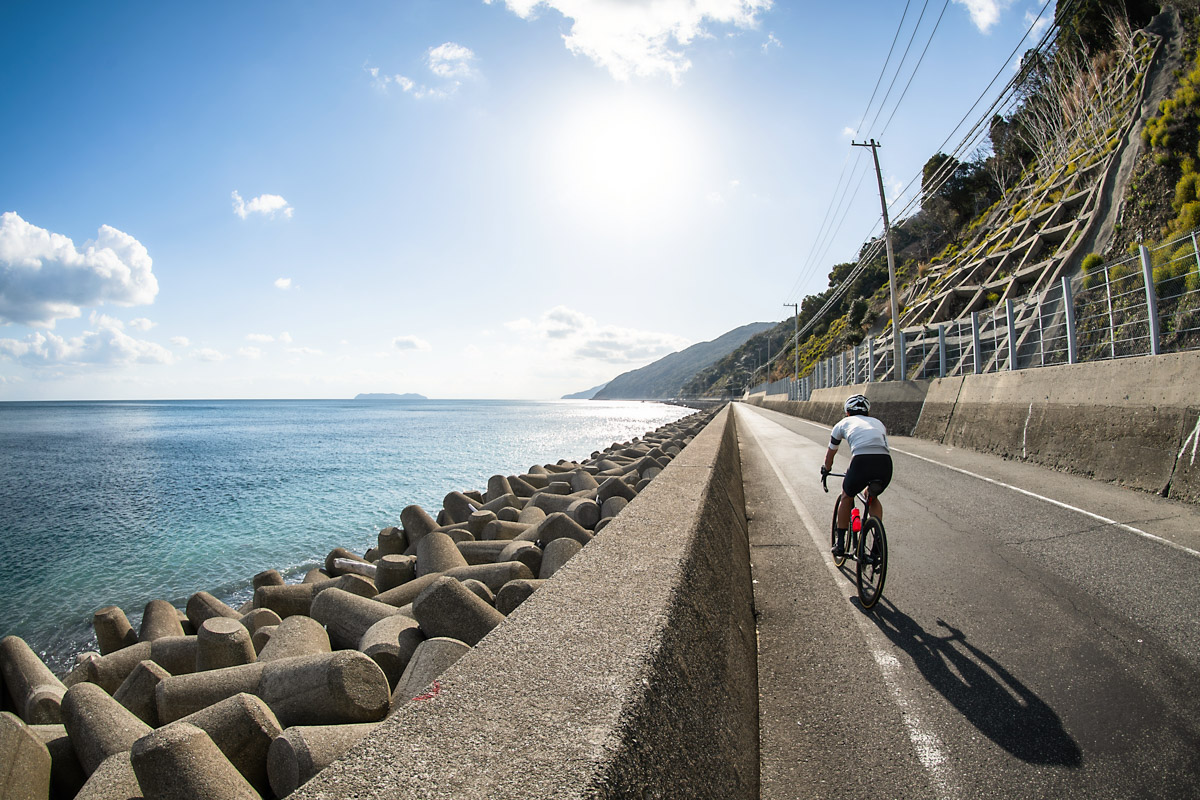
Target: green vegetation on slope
pixel 1067 124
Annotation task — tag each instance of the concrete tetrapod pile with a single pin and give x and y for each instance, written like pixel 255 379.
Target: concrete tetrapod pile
pixel 216 702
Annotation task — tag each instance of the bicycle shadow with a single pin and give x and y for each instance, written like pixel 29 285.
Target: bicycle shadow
pixel 988 695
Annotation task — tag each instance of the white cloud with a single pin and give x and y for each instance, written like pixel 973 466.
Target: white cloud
pixel 260 337
pixel 285 337
pixel 107 345
pixel 450 61
pixel 44 278
pixel 141 324
pixel 408 343
pixel 305 351
pixel 984 13
pixel 250 352
pixel 266 204
pixel 848 132
pixel 209 354
pixel 771 41
pixel 1039 27
pixel 578 336
pixel 644 38
pixel 283 283
pixel 181 341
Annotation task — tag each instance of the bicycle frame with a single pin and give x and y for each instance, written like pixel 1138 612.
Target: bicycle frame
pixel 870 559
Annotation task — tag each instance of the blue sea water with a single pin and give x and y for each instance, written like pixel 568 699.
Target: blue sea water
pixel 119 503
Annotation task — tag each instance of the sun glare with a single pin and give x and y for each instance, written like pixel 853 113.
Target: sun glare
pixel 625 157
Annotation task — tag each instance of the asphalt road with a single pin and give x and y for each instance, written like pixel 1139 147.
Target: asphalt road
pixel 1038 637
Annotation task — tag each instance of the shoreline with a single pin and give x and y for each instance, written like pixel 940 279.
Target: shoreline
pixel 461 574
pixel 189 542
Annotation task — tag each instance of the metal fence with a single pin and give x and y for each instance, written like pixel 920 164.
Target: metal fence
pixel 1145 304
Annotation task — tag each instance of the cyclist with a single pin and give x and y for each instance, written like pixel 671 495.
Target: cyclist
pixel 870 460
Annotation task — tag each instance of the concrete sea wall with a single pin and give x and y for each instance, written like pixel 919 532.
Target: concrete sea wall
pixel 1134 421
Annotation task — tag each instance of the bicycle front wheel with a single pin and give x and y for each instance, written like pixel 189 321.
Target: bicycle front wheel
pixel 838 560
pixel 872 561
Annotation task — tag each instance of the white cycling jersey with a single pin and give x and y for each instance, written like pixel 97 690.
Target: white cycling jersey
pixel 866 436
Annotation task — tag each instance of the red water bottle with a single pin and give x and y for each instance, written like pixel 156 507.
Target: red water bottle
pixel 855 520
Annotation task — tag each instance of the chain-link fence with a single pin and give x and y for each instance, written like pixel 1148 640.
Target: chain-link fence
pixel 1145 304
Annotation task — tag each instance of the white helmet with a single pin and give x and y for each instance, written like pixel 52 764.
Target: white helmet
pixel 858 404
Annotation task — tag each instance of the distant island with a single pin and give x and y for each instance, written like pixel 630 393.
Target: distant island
pixel 389 396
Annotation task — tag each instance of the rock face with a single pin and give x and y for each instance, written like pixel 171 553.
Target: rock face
pixel 221 702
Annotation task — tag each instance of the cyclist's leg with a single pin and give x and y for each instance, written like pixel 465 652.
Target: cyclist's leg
pixel 880 475
pixel 843 517
pixel 876 507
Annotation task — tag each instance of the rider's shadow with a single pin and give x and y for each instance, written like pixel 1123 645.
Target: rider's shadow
pixel 988 695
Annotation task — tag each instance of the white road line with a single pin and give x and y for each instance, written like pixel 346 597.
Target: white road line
pixel 1060 504
pixel 926 743
pixel 1145 534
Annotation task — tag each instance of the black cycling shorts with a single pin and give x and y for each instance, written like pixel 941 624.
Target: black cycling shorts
pixel 867 468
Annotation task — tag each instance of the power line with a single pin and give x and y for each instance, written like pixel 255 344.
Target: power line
pixel 883 71
pixel 916 68
pixel 899 66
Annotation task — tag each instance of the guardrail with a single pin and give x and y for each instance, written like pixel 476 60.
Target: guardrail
pixel 1143 304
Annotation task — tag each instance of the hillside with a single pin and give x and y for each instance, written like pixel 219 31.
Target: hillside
pixel 1096 154
pixel 665 378
pixel 586 394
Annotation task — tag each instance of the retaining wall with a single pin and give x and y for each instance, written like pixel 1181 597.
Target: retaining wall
pixel 897 404
pixel 1134 421
pixel 632 673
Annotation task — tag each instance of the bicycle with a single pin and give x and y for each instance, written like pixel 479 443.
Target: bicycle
pixel 866 542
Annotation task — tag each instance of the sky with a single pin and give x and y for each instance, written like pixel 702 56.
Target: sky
pixel 458 198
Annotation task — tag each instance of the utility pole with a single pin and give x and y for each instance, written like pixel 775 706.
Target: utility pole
pixel 795 347
pixel 897 372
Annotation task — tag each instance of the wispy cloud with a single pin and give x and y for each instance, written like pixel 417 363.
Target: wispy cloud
pixel 449 63
pixel 771 41
pixel 267 205
pixel 642 39
pixel 577 335
pixel 410 343
pixel 984 13
pixel 106 345
pixel 283 283
pixel 209 354
pixel 1039 25
pixel 44 278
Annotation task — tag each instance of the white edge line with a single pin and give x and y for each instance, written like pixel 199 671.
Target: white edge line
pixel 925 742
pixel 1152 537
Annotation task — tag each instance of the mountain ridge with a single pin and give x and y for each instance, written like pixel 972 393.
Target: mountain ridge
pixel 666 377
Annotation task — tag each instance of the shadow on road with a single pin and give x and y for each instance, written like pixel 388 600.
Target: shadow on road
pixel 988 695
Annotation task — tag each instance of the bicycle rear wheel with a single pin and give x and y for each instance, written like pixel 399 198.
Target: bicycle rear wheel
pixel 838 560
pixel 872 561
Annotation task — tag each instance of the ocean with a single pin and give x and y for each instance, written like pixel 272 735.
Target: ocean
pixel 120 503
